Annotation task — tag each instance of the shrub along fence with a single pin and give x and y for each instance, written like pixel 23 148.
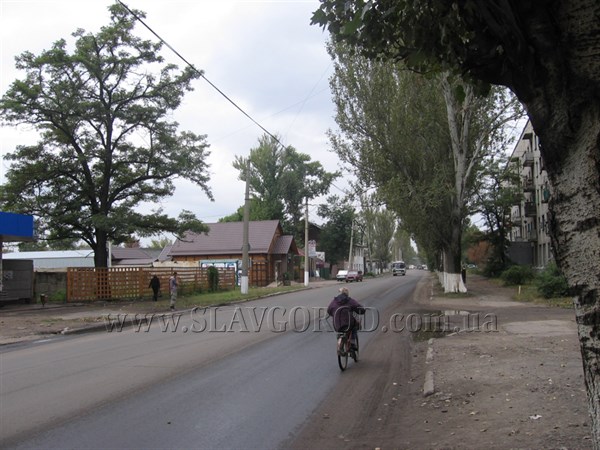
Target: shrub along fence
pixel 116 283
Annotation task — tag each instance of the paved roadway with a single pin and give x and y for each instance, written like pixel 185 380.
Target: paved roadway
pixel 250 386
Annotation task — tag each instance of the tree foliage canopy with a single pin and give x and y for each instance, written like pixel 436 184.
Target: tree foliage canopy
pixel 336 232
pixel 395 133
pixel 281 178
pixel 106 142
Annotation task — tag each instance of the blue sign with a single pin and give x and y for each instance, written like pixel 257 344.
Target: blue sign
pixel 16 227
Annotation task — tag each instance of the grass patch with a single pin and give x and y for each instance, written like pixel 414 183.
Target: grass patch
pixel 457 294
pixel 529 293
pixel 51 321
pixel 217 298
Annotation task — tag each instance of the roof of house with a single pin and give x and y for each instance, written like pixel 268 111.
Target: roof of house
pixel 131 256
pixel 51 254
pixel 56 259
pixel 226 238
pixel 284 244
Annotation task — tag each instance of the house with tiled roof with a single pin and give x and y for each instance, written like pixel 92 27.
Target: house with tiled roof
pixel 131 257
pixel 271 252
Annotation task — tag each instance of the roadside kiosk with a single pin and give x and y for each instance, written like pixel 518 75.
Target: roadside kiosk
pixel 14 282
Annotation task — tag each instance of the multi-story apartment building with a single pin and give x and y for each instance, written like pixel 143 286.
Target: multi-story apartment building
pixel 529 239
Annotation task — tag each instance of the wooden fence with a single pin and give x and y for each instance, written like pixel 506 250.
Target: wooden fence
pixel 258 274
pixel 115 283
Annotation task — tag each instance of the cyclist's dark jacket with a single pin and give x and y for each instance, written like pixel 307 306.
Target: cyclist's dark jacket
pixel 341 308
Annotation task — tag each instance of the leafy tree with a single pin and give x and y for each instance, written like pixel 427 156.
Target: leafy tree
pixel 421 141
pixel 281 179
pixel 379 226
pixel 259 210
pixel 159 244
pixel 379 114
pixel 497 191
pixel 106 143
pixel 548 54
pixel 384 225
pixel 335 233
pixel 402 240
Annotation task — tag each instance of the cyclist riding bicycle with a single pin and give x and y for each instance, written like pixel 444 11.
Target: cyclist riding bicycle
pixel 342 309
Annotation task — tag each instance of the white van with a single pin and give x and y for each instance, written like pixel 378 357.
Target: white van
pixel 398 268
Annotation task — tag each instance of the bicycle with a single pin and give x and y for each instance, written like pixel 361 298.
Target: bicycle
pixel 345 350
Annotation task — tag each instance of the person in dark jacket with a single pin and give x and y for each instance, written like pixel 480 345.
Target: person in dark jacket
pixel 155 285
pixel 341 309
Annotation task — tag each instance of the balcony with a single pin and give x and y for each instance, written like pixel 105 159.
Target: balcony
pixel 531 236
pixel 528 160
pixel 528 185
pixel 530 209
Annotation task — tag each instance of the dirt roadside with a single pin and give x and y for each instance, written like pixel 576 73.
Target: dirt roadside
pixel 518 387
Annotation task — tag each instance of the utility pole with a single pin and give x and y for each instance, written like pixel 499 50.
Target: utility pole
pixel 351 253
pixel 246 243
pixel 306 258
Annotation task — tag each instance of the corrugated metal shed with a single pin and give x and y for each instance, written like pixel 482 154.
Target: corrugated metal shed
pixel 56 259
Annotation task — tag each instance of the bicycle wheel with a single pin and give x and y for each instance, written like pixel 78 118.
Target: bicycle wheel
pixel 355 352
pixel 342 353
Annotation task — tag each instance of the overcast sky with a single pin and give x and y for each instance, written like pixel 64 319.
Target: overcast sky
pixel 264 55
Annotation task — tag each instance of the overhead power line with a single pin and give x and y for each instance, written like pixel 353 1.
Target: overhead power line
pixel 199 72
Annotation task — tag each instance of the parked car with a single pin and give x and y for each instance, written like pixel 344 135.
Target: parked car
pixel 341 275
pixel 354 275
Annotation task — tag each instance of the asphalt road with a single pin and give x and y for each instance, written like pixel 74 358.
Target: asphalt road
pixel 242 376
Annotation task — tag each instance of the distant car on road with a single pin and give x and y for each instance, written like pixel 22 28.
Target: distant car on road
pixel 341 275
pixel 354 275
pixel 398 268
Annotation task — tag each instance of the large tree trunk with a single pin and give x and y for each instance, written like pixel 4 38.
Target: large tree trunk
pixel 459 112
pixel 574 171
pixel 101 249
pixel 451 277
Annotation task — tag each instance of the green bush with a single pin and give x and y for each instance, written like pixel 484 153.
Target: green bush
pixel 551 283
pixel 213 279
pixel 516 275
pixel 59 296
pixel 493 268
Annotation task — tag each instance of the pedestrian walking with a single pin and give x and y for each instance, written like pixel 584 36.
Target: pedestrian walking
pixel 155 285
pixel 173 283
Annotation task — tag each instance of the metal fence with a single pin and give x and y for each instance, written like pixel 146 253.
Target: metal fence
pixel 115 283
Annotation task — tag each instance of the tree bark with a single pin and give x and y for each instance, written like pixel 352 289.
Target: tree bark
pixel 575 231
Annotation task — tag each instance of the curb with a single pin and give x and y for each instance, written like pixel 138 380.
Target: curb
pixel 428 385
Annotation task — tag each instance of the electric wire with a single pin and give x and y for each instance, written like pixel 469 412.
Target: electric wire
pixel 199 72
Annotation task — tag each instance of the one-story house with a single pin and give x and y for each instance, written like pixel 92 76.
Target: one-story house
pixel 132 257
pixel 270 251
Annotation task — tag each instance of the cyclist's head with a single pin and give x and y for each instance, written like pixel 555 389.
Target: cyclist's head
pixel 344 290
